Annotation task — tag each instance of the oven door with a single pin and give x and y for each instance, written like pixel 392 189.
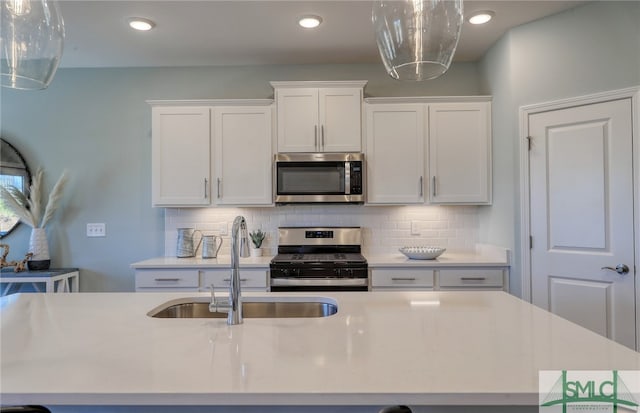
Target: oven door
pixel 319 279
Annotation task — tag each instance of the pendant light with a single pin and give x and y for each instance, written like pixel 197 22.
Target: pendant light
pixel 31 43
pixel 417 38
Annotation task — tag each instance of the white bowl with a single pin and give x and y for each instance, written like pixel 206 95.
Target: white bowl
pixel 422 253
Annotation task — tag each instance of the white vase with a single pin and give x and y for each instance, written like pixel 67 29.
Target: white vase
pixel 39 247
pixel 256 252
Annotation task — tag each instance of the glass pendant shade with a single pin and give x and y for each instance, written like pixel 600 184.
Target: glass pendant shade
pixel 31 43
pixel 417 38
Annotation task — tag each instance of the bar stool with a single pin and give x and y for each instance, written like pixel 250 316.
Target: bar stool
pixel 395 409
pixel 24 409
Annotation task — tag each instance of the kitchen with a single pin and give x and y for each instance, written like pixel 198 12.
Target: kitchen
pixel 96 123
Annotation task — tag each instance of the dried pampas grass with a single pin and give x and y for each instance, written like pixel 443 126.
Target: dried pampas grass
pixel 29 210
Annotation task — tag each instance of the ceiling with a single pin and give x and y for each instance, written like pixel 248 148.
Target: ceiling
pixel 258 32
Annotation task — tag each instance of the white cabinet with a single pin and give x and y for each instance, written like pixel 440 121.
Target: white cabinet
pixel 250 279
pixel 167 280
pixel 402 279
pixel 199 279
pixel 227 142
pixel 474 278
pixel 242 155
pixel 433 278
pixel 319 116
pixel 180 158
pixel 419 145
pixel 395 138
pixel 460 153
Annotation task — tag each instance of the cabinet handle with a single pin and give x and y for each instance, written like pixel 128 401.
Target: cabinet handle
pixel 403 279
pixel 473 278
pixel 205 188
pixel 218 188
pixel 322 135
pixel 315 134
pixel 167 279
pixel 421 187
pixel 228 280
pixel 433 185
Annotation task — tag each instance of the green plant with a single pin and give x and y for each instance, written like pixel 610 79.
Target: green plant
pixel 257 237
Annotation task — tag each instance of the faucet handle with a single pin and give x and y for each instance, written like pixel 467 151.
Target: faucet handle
pixel 213 305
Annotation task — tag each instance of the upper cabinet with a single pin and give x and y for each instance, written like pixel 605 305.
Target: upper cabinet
pixel 428 149
pixel 395 153
pixel 180 159
pixel 212 152
pixel 242 155
pixel 460 153
pixel 319 116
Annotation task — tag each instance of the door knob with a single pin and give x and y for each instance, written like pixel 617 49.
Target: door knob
pixel 620 269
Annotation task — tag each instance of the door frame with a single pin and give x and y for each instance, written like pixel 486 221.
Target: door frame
pixel 525 222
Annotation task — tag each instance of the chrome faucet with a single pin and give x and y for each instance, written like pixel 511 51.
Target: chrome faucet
pixel 233 306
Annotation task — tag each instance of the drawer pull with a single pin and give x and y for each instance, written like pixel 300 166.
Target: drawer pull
pixel 167 279
pixel 403 279
pixel 228 280
pixel 473 278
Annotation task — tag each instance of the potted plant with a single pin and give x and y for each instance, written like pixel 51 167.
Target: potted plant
pixel 257 237
pixel 30 211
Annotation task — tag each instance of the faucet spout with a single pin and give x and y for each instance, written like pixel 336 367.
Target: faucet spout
pixel 238 250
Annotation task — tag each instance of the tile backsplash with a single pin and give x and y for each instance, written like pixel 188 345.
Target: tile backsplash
pixel 384 228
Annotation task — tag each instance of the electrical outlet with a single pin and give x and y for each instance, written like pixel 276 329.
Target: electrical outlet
pixel 222 229
pixel 415 227
pixel 96 230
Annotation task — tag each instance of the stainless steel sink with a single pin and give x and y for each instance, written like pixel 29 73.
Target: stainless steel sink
pixel 262 307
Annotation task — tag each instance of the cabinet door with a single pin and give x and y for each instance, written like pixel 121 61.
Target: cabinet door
pixel 180 156
pixel 340 112
pixel 297 120
pixel 460 153
pixel 242 153
pixel 471 279
pixel 395 153
pixel 250 279
pixel 402 279
pixel 167 280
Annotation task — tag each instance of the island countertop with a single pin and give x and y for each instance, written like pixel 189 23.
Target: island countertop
pixel 417 348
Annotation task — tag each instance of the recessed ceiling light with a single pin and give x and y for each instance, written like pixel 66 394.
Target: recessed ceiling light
pixel 481 17
pixel 142 24
pixel 309 22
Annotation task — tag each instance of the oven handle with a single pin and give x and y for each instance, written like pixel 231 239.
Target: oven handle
pixel 331 282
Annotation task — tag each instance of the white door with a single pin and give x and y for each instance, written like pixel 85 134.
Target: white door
pixel 581 203
pixel 297 111
pixel 395 153
pixel 460 153
pixel 340 114
pixel 243 155
pixel 180 148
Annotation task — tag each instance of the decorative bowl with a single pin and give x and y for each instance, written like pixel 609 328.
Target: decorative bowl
pixel 422 253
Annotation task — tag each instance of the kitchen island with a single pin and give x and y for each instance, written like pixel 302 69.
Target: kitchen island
pixel 444 348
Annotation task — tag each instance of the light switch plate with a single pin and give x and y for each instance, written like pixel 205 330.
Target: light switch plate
pixel 96 230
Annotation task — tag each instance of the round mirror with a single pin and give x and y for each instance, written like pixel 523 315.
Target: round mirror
pixel 13 171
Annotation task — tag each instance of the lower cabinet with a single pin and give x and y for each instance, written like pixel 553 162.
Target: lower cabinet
pixel 194 280
pixel 414 279
pixel 250 280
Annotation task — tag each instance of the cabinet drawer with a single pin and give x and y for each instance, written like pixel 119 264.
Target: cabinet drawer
pixel 222 278
pixel 167 279
pixel 471 278
pixel 402 278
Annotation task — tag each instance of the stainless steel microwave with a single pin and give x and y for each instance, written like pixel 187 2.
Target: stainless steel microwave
pixel 306 178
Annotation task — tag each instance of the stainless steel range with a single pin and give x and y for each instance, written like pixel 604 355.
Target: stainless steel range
pixel 319 259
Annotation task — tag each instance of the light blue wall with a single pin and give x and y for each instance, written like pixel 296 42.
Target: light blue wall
pixel 96 124
pixel 588 49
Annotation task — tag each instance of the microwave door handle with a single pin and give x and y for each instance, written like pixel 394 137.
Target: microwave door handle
pixel 347 178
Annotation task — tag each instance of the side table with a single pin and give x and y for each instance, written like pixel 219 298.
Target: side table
pixel 58 280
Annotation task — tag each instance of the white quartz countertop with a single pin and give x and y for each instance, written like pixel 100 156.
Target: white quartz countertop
pixel 483 256
pixel 223 261
pixel 381 348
